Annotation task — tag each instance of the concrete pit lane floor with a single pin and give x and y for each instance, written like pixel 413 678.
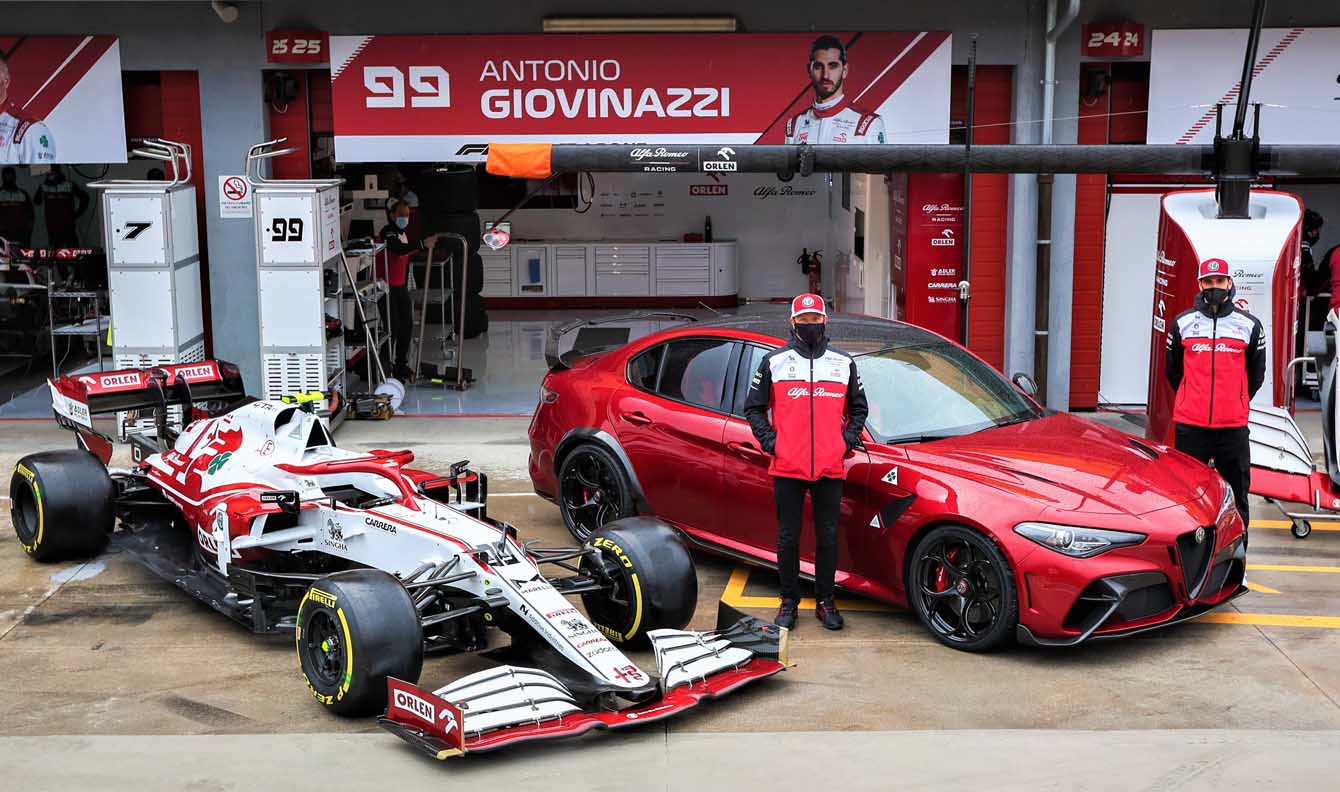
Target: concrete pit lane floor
pixel 111 679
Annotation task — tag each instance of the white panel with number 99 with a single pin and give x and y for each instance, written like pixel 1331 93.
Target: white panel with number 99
pixel 287 226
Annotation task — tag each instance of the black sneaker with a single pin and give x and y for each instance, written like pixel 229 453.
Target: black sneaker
pixel 786 615
pixel 826 611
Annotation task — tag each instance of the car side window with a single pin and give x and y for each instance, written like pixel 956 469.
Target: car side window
pixel 749 363
pixel 695 371
pixel 642 370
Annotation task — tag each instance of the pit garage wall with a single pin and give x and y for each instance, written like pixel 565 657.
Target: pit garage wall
pixel 173 36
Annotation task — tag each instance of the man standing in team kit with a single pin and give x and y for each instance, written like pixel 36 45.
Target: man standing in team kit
pixel 818 409
pixel 1216 362
pixel 832 118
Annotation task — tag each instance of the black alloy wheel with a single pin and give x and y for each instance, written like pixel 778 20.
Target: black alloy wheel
pixel 593 490
pixel 323 642
pixel 962 589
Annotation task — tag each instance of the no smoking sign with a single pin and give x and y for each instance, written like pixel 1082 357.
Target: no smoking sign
pixel 234 197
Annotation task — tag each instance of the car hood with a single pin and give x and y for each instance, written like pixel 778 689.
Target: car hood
pixel 1067 464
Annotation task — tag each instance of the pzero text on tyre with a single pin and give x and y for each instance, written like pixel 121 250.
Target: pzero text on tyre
pixel 653 581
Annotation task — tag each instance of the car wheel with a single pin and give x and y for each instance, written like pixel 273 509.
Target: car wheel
pixel 963 589
pixel 593 490
pixel 653 583
pixel 355 629
pixel 61 504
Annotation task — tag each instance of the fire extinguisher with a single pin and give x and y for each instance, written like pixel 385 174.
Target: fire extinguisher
pixel 812 265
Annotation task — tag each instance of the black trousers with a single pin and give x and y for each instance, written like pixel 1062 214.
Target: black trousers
pixel 1229 449
pixel 826 499
pixel 401 311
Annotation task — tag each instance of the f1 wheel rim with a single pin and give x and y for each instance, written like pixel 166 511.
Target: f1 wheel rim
pixel 958 590
pixel 591 494
pixel 323 643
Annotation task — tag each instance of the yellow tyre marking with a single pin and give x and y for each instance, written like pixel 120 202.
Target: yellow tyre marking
pixel 349 652
pixel 637 615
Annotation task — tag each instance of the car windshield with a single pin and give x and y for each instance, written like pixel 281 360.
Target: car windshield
pixel 935 390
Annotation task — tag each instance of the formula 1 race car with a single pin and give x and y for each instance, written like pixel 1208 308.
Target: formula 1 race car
pixel 252 509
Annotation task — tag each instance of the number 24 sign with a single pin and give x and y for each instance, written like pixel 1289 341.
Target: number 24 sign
pixel 1114 40
pixel 296 46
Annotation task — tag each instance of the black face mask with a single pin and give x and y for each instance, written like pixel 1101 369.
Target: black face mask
pixel 811 335
pixel 1216 297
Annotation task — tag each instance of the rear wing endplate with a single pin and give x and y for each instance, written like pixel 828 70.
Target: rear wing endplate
pixel 557 332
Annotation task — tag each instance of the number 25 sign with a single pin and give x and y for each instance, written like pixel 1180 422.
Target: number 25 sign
pixel 296 46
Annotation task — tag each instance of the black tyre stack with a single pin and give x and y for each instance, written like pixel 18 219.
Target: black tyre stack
pixel 449 203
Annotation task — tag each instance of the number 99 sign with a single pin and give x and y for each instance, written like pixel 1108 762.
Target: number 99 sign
pixel 286 230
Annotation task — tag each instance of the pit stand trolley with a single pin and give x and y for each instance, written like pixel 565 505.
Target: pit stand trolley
pixel 299 282
pixel 152 240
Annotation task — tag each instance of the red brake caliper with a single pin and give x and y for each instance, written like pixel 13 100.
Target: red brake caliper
pixel 942 573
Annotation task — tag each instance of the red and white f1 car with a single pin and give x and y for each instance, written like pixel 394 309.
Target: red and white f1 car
pixel 252 509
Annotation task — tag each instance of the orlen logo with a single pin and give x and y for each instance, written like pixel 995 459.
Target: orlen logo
pixel 946 239
pixel 643 153
pixel 1219 347
pixel 194 372
pixel 112 381
pixel 412 703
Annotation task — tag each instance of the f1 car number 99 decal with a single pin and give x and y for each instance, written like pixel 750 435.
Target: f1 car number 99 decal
pixel 286 229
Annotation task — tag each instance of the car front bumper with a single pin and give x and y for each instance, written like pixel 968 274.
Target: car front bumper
pixel 1069 601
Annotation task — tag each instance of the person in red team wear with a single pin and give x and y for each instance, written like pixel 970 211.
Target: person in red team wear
pixel 832 118
pixel 397 302
pixel 818 411
pixel 1216 363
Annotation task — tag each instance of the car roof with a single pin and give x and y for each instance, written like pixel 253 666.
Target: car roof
pixel 853 332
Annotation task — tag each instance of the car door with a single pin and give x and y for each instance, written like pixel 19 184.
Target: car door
pixel 670 426
pixel 750 520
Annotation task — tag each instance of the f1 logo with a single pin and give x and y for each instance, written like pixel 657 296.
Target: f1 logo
pixel 132 230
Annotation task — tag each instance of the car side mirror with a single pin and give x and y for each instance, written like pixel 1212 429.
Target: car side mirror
pixel 1025 383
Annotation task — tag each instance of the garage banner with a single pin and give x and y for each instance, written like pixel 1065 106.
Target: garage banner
pixel 60 100
pixel 1295 80
pixel 445 98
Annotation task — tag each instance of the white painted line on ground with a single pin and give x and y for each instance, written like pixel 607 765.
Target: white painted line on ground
pixel 513 495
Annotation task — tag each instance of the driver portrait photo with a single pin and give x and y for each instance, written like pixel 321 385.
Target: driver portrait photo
pixel 832 117
pixel 24 140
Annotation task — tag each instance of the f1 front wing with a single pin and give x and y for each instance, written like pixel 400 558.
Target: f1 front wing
pixel 508 705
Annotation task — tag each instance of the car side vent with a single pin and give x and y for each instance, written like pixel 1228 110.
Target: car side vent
pixel 1142 448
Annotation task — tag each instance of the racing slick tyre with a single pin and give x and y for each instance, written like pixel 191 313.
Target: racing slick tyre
pixel 355 629
pixel 653 581
pixel 963 589
pixel 61 504
pixel 593 490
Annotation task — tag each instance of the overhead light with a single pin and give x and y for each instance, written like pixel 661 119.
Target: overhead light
pixel 226 11
pixel 710 24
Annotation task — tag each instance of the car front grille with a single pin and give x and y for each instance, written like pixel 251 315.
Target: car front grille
pixel 1195 557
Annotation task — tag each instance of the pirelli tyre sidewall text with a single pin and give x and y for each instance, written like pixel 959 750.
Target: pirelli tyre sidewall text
pixel 655 584
pixel 61 504
pixel 355 629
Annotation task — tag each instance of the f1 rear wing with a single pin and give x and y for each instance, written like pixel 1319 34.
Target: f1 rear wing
pixel 76 398
pixel 590 343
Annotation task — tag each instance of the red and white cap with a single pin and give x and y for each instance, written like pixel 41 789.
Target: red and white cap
pixel 1210 268
pixel 808 303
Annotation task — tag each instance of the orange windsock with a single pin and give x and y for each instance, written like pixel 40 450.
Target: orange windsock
pixel 519 160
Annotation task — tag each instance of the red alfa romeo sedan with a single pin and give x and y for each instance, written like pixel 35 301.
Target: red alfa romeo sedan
pixel 992 517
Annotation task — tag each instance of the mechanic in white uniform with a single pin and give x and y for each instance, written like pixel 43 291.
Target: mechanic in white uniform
pixel 831 118
pixel 23 140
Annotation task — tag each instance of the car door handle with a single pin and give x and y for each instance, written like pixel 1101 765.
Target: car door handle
pixel 636 418
pixel 746 450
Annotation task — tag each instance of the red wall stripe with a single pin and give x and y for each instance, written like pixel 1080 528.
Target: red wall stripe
pixel 180 91
pixel 292 121
pixel 1086 320
pixel 990 208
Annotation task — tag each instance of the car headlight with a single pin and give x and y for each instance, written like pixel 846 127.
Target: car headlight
pixel 1228 504
pixel 1076 541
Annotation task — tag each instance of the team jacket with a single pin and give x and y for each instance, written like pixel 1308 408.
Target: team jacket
pixel 16 215
pixel 818 410
pixel 1216 363
pixel 398 248
pixel 835 122
pixel 24 141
